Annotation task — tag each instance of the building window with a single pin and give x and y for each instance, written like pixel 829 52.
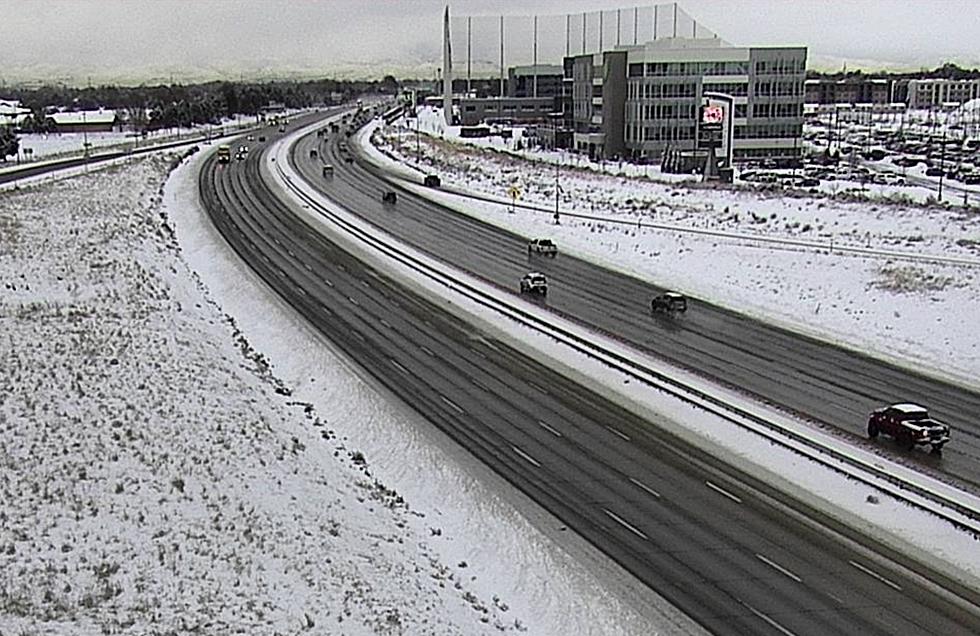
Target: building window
pixel 636 70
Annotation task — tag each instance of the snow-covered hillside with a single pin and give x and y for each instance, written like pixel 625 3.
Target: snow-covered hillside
pixel 156 478
pixel 914 311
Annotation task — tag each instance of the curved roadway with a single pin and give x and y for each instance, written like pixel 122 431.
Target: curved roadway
pixel 717 545
pixel 832 385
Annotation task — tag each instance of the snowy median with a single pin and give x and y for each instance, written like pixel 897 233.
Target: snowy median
pixel 854 500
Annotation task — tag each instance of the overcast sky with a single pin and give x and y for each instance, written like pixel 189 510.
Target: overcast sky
pixel 71 38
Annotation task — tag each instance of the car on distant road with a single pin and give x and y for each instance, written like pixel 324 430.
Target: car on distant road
pixel 668 302
pixel 534 283
pixel 545 247
pixel 432 181
pixel 328 170
pixel 389 197
pixel 910 425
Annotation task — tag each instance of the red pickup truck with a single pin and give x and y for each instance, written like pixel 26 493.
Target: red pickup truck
pixel 910 424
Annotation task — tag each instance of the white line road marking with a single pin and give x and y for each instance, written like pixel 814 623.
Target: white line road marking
pixel 358 335
pixel 307 266
pixel 452 405
pixel 619 433
pixel 767 619
pixel 622 522
pixel 366 284
pixel 301 290
pixel 721 490
pixel 778 568
pixel 395 364
pixel 385 323
pixel 327 281
pixel 480 385
pixel 353 302
pixel 490 344
pixel 526 457
pixel 427 350
pixel 876 575
pixel 549 429
pixel 645 487
pixel 537 387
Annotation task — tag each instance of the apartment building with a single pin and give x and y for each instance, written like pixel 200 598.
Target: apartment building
pixel 928 93
pixel 863 90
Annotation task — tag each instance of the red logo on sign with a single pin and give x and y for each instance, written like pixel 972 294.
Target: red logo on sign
pixel 713 115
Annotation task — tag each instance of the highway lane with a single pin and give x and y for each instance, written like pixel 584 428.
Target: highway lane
pixel 714 544
pixel 829 384
pixel 42 166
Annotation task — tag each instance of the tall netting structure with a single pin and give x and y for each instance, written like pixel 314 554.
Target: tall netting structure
pixel 487 45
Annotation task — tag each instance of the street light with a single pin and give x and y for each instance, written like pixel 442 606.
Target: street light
pixel 554 146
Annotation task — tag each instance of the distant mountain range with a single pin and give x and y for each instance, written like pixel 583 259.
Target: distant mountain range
pixel 419 67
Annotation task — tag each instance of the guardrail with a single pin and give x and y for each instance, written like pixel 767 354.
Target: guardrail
pixel 862 470
pixel 829 246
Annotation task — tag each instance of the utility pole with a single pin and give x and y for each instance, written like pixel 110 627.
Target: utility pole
pixel 418 142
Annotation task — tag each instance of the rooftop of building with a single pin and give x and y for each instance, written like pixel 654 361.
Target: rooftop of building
pixel 537 69
pixel 101 116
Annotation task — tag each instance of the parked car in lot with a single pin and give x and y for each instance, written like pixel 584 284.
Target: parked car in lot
pixel 432 181
pixel 910 425
pixel 534 283
pixel 389 197
pixel 545 247
pixel 668 302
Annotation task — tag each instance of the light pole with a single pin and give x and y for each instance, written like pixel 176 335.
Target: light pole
pixel 554 147
pixel 942 164
pixel 84 136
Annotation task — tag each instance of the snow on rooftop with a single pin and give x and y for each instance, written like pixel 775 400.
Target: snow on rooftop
pixel 84 117
pixel 908 407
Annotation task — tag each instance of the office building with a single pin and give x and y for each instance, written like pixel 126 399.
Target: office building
pixel 639 101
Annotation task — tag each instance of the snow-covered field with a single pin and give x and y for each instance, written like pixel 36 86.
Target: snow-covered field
pixel 55 145
pixel 158 478
pixel 913 311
